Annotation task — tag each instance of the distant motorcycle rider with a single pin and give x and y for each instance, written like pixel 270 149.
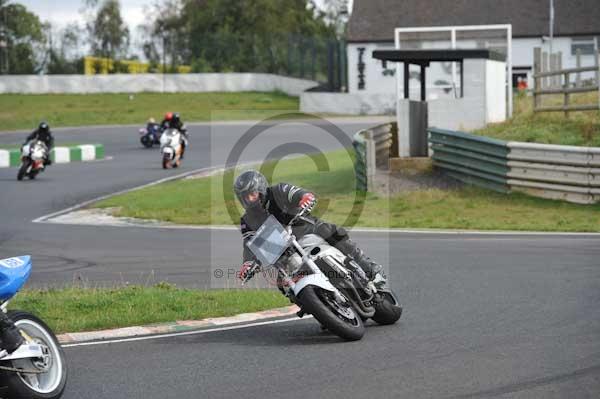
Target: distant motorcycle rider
pixel 43 134
pixel 151 125
pixel 173 120
pixel 284 201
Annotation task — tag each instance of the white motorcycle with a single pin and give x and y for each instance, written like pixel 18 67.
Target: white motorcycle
pixel 171 148
pixel 38 368
pixel 321 280
pixel 32 159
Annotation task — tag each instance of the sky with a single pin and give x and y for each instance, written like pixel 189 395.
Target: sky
pixel 62 12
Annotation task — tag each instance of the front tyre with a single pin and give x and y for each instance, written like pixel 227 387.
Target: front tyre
pixel 146 141
pixel 339 318
pixel 47 385
pixel 23 169
pixel 388 310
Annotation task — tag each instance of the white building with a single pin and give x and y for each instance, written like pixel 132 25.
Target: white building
pixel 372 23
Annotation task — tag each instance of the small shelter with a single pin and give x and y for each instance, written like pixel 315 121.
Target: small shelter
pixel 480 95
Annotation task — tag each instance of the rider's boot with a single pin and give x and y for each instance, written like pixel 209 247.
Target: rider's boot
pixel 10 337
pixel 373 270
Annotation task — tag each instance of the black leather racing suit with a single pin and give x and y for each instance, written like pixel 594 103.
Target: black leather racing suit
pixel 282 202
pixel 165 124
pixel 45 137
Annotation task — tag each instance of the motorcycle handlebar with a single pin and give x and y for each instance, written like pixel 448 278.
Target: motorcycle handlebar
pixel 299 215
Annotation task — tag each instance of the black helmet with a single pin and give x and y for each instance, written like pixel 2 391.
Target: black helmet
pixel 175 118
pixel 249 182
pixel 43 127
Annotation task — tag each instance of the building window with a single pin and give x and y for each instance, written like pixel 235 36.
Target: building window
pixel 584 44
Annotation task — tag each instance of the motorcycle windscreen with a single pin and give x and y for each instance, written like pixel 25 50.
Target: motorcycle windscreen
pixel 269 242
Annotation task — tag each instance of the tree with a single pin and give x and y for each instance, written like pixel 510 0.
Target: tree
pixel 238 35
pixel 65 57
pixel 336 13
pixel 109 35
pixel 166 35
pixel 23 40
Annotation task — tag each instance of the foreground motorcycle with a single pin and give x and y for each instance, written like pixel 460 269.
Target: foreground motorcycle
pixel 32 159
pixel 171 148
pixel 321 280
pixel 37 369
pixel 150 135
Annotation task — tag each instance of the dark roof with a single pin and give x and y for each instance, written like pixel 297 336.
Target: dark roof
pixel 426 56
pixel 375 20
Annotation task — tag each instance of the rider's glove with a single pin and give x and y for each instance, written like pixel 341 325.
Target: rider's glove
pixel 308 201
pixel 245 270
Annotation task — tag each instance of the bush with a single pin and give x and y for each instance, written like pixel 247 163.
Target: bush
pixel 200 65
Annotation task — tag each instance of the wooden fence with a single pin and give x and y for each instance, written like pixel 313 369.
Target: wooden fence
pixel 563 86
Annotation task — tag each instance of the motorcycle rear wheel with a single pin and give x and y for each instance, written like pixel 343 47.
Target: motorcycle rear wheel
pixel 388 311
pixel 48 385
pixel 338 318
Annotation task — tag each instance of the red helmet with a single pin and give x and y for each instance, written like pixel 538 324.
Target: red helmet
pixel 168 116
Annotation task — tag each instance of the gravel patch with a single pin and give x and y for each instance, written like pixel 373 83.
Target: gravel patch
pixel 397 183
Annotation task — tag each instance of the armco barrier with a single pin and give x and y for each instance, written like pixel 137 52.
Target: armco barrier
pixel 372 148
pixel 472 159
pixel 83 152
pixel 549 171
pixel 554 171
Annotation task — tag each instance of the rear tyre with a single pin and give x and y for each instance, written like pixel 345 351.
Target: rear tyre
pixel 388 311
pixel 47 385
pixel 23 169
pixel 339 318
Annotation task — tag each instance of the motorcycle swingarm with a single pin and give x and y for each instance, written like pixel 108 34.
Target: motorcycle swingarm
pixel 25 351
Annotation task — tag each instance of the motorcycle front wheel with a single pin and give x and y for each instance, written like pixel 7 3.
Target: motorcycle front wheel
pixel 166 161
pixel 146 141
pixel 336 316
pixel 47 385
pixel 23 169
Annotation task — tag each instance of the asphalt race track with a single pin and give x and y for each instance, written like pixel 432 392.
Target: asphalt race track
pixel 486 316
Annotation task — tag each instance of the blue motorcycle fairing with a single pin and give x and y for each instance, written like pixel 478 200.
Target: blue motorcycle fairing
pixel 14 272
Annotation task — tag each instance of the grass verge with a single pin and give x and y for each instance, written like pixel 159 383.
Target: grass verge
pixel 25 111
pixel 88 309
pixel 203 201
pixel 581 128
